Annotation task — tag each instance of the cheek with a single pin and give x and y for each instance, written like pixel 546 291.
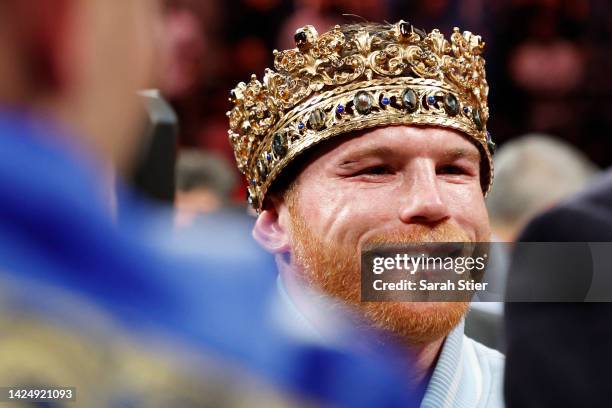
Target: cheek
pixel 467 208
pixel 339 212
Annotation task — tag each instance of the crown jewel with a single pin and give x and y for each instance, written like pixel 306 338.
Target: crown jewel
pixel 357 77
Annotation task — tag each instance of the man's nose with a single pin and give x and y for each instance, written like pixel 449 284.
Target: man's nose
pixel 420 200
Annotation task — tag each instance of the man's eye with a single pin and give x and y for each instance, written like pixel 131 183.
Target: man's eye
pixel 451 169
pixel 374 170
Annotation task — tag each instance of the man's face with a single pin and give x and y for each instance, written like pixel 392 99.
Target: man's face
pixel 397 184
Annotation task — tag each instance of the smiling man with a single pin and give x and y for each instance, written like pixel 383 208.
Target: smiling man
pixel 370 135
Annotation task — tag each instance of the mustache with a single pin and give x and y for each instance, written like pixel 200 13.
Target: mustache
pixel 415 234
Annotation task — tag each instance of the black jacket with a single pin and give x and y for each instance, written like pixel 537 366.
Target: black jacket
pixel 560 354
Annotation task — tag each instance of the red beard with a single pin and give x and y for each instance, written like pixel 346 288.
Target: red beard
pixel 334 269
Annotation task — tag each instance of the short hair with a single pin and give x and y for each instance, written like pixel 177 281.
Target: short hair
pixel 197 169
pixel 533 172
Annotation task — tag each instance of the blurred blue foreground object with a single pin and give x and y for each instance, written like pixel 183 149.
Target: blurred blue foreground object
pixel 121 315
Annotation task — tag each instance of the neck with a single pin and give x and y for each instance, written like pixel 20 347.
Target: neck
pixel 424 358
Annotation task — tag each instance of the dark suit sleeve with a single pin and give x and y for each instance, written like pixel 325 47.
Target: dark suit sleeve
pixel 559 354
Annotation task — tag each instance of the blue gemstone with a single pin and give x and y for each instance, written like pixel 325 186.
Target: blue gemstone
pixel 431 100
pixel 385 100
pixel 268 156
pixel 466 110
pixel 301 125
pixel 254 182
pixel 340 109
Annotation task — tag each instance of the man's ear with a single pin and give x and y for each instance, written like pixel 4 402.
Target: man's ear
pixel 271 229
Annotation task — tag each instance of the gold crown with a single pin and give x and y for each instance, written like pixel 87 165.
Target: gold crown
pixel 356 77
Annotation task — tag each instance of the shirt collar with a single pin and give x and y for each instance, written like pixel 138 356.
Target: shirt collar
pixel 446 378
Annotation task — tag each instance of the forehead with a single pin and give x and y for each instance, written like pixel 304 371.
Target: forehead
pixel 398 142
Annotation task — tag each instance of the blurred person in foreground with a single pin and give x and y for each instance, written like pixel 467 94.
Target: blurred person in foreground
pixel 372 134
pixel 559 353
pixel 113 309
